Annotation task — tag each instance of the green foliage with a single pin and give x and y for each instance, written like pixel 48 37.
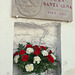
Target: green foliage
pixel 20 47
pixel 46 47
pixel 28 43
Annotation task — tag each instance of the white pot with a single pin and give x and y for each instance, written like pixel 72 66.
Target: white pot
pixel 43 73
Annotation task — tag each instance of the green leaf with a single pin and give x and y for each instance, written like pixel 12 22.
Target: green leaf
pixel 28 43
pixel 20 47
pixel 46 47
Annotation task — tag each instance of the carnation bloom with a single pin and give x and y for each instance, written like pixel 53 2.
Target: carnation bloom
pixel 50 58
pixel 50 52
pixel 37 52
pixel 37 59
pixel 29 67
pixel 16 58
pixel 29 45
pixel 22 52
pixel 16 53
pixel 42 47
pixel 44 53
pixel 25 58
pixel 53 56
pixel 36 47
pixel 29 50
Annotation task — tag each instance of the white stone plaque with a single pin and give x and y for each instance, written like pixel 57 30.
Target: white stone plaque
pixel 43 9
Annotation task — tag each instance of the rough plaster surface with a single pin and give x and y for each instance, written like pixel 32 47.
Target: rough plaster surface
pixel 70 72
pixel 40 34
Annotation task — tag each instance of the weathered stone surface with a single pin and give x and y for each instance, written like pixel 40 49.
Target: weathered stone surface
pixel 28 7
pixel 44 34
pixel 43 9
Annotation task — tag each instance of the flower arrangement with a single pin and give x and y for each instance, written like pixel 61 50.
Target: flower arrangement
pixel 34 59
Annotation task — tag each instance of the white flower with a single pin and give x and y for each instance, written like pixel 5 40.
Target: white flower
pixel 29 50
pixel 29 67
pixel 37 59
pixel 53 56
pixel 16 58
pixel 44 52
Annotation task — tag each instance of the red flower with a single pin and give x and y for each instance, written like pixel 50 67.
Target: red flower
pixel 16 53
pixel 42 47
pixel 22 52
pixel 50 58
pixel 36 47
pixel 37 52
pixel 50 52
pixel 25 58
pixel 29 45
